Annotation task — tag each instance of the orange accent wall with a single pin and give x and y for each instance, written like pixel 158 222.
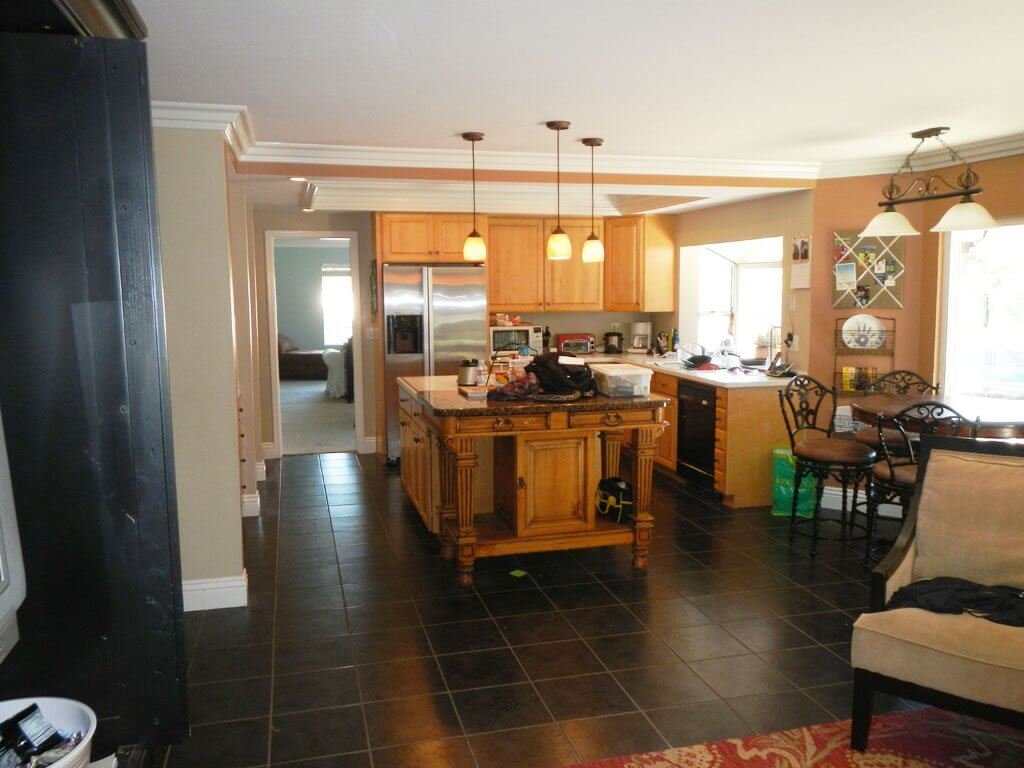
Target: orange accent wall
pixel 848 204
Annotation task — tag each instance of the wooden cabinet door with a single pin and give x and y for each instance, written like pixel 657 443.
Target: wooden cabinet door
pixel 451 231
pixel 572 285
pixel 406 237
pixel 666 455
pixel 515 270
pixel 556 483
pixel 623 264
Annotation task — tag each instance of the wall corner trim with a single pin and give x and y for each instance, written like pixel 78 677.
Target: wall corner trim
pixel 261 471
pixel 225 592
pixel 368 445
pixel 250 505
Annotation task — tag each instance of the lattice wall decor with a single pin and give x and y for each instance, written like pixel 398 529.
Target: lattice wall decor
pixel 868 271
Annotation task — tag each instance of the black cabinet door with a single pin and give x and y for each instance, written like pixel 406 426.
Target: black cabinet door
pixel 83 388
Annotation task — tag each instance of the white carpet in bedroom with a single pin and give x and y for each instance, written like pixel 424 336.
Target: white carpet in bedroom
pixel 312 422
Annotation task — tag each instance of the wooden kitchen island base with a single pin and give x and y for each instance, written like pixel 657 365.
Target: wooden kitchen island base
pixel 548 460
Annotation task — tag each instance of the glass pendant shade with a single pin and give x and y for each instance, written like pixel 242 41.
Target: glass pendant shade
pixel 964 216
pixel 474 249
pixel 889 223
pixel 593 250
pixel 559 246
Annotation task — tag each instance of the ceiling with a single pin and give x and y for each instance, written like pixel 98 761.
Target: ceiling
pixel 799 81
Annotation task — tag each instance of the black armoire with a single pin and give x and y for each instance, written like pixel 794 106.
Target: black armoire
pixel 83 388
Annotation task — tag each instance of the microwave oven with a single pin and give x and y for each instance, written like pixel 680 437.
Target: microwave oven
pixel 504 337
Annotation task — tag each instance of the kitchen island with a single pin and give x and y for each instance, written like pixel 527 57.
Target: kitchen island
pixel 548 458
pixel 722 426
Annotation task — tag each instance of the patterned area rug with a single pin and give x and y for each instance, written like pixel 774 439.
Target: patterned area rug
pixel 922 738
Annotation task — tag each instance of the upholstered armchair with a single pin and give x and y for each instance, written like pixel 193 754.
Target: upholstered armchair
pixel 966 520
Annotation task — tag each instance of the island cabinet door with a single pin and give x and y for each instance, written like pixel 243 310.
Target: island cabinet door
pixel 556 480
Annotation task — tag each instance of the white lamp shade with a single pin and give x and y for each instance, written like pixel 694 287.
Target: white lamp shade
pixel 969 215
pixel 593 250
pixel 559 246
pixel 474 249
pixel 889 223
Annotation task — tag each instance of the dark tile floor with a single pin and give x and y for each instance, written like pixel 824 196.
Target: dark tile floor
pixel 357 649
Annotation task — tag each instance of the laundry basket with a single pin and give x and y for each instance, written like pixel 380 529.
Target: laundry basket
pixel 67 716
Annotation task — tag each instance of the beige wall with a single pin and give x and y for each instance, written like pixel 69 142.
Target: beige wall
pixel 273 218
pixel 191 190
pixel 789 215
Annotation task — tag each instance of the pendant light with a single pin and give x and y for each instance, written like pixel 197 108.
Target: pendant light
pixel 593 248
pixel 559 246
pixel 474 249
pixel 965 215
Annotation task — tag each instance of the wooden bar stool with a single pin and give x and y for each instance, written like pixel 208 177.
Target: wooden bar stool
pixel 817 453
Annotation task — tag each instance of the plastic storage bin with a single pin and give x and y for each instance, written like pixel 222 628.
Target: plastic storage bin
pixel 622 379
pixel 67 716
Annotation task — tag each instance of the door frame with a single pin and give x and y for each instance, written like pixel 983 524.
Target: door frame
pixel 362 444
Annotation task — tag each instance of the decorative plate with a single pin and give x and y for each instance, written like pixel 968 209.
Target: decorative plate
pixel 863 332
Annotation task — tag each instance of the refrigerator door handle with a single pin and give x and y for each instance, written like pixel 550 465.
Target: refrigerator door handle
pixel 428 322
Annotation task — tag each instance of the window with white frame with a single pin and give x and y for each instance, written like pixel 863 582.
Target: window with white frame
pixel 732 292
pixel 336 298
pixel 983 344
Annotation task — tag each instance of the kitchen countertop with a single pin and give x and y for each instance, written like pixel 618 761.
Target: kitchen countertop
pixel 725 379
pixel 440 394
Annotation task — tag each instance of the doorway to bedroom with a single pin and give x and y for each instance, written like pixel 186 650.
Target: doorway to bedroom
pixel 313 303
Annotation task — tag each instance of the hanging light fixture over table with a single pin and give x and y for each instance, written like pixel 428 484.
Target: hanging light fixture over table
pixel 474 249
pixel 593 248
pixel 965 214
pixel 559 246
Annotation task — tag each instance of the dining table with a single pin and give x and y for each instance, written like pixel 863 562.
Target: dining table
pixel 997 418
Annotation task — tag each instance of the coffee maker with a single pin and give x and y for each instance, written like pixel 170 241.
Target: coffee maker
pixel 613 342
pixel 640 337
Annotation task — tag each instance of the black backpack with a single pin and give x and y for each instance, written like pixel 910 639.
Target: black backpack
pixel 558 379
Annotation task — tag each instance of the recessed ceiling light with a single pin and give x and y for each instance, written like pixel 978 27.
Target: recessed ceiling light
pixel 307 210
pixel 298 178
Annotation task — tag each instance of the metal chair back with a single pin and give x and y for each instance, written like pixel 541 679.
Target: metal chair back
pixel 927 418
pixel 902 382
pixel 805 402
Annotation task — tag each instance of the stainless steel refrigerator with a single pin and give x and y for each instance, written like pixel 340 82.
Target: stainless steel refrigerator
pixel 434 317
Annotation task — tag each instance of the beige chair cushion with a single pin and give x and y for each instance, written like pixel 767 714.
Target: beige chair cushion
pixel 971 519
pixel 968 657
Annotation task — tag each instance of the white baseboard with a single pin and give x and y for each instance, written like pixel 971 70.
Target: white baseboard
pixel 206 594
pixel 832 498
pixel 369 445
pixel 271 451
pixel 250 505
pixel 261 471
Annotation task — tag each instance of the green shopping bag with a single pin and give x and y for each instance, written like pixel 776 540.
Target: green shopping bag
pixel 783 465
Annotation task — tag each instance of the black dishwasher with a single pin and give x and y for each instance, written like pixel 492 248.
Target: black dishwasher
pixel 695 450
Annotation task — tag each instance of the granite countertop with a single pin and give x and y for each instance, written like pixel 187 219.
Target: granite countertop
pixel 668 366
pixel 440 395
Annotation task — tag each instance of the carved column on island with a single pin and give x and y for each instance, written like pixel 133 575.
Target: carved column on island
pixel 610 457
pixel 449 520
pixel 464 450
pixel 643 471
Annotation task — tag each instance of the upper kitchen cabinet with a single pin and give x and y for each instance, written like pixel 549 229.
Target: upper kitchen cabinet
pixel 424 237
pixel 572 285
pixel 639 265
pixel 515 268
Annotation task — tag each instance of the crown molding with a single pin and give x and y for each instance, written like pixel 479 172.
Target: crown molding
pixel 387 157
pixel 974 152
pixel 230 119
pixel 236 123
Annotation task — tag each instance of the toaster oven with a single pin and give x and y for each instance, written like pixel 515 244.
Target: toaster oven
pixel 576 343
